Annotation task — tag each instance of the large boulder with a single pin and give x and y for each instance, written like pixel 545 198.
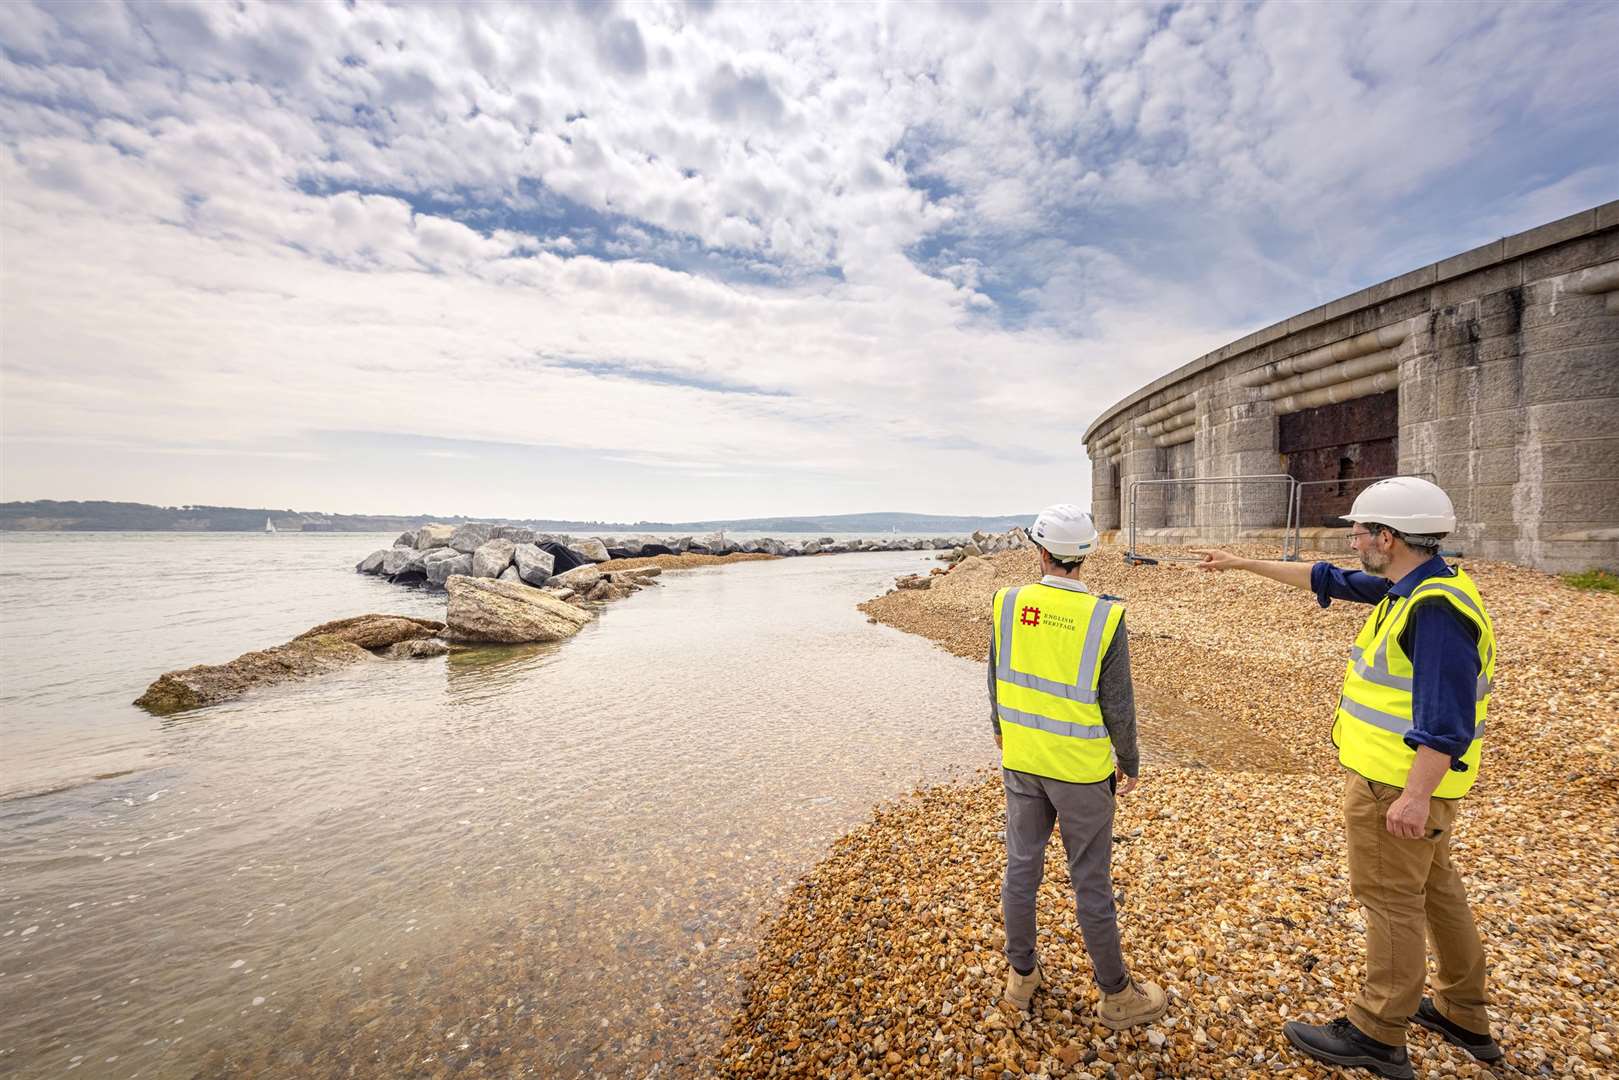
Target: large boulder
pixel 508 574
pixel 207 684
pixel 591 550
pixel 429 537
pixel 401 560
pixel 504 612
pixel 492 558
pixel 443 568
pixel 372 563
pixel 469 538
pixel 563 557
pixel 534 564
pixel 406 539
pixel 581 579
pixel 517 534
pixel 374 631
pixel 811 547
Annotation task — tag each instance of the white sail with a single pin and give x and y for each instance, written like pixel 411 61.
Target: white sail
pixel 269 526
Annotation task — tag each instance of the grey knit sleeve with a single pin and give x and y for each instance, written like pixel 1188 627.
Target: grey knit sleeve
pixel 1115 692
pixel 994 718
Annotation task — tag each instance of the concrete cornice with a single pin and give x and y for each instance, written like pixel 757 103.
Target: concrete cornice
pixel 1586 222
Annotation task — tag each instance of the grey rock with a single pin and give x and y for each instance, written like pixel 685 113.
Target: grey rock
pixel 826 541
pixel 811 547
pixel 401 560
pixel 517 534
pixel 439 570
pixel 406 539
pixel 492 558
pixel 372 563
pixel 534 564
pixel 591 549
pixel 469 538
pixel 481 610
pixel 580 579
pixel 429 537
pixel 509 574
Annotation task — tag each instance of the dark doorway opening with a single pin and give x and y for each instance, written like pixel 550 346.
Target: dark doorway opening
pixel 1333 446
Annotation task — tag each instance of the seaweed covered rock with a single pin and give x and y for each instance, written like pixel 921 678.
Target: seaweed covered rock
pixel 208 684
pixel 375 631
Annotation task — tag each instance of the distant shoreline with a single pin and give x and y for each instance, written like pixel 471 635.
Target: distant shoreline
pixel 53 516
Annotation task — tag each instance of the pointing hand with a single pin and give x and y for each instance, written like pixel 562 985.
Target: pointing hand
pixel 1218 560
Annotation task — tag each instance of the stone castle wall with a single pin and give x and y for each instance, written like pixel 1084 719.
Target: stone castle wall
pixel 1505 362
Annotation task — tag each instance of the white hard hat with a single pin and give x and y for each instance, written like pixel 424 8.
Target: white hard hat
pixel 1407 504
pixel 1064 530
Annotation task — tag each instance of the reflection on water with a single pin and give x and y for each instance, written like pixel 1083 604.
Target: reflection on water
pixel 548 860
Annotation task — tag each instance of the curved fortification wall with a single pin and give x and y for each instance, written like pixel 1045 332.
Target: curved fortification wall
pixel 1495 372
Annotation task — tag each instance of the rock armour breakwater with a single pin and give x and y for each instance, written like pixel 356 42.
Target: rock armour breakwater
pixel 433 553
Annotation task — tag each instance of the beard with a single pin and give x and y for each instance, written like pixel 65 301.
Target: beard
pixel 1374 562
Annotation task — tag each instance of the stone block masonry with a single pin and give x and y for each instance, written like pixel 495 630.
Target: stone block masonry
pixel 1503 361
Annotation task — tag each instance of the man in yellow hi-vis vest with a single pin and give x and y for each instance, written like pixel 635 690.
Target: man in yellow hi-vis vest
pixel 1410 731
pixel 1063 709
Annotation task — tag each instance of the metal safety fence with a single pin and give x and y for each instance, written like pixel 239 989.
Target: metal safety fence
pixel 1285 503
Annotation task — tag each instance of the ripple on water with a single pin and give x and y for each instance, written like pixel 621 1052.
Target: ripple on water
pixel 555 855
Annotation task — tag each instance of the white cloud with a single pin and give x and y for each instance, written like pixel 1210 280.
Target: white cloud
pixel 940 238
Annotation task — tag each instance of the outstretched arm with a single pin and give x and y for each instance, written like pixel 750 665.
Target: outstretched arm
pixel 1296 574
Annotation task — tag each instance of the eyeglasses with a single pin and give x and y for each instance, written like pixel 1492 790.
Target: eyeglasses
pixel 1351 537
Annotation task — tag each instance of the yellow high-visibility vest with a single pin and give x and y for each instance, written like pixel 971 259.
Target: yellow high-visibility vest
pixel 1374 710
pixel 1049 644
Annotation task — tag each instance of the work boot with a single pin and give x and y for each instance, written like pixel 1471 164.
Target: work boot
pixel 1020 988
pixel 1138 1003
pixel 1481 1047
pixel 1342 1043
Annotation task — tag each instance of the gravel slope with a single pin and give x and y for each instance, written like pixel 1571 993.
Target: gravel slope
pixel 885 959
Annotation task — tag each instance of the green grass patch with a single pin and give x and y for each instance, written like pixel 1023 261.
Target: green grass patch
pixel 1599 580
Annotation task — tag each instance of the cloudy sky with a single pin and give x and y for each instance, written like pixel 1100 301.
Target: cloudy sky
pixel 679 260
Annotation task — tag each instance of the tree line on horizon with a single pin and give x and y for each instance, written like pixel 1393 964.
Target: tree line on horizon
pixel 49 515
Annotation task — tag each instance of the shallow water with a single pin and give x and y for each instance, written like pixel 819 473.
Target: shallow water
pixel 540 861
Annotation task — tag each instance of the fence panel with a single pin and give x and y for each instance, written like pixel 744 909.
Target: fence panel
pixel 1223 508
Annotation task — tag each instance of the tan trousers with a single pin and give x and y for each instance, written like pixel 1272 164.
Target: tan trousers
pixel 1406 887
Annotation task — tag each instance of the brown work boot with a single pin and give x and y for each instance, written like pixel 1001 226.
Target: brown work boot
pixel 1138 1003
pixel 1020 988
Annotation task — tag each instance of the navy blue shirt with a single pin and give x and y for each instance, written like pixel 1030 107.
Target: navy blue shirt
pixel 1442 645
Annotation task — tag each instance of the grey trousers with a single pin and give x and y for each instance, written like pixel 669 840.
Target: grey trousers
pixel 1085 812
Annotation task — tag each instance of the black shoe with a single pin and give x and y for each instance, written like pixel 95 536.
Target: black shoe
pixel 1481 1047
pixel 1342 1043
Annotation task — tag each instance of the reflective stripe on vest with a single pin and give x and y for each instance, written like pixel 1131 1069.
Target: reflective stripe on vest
pixel 1375 707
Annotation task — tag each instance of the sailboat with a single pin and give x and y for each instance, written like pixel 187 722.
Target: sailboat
pixel 269 526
